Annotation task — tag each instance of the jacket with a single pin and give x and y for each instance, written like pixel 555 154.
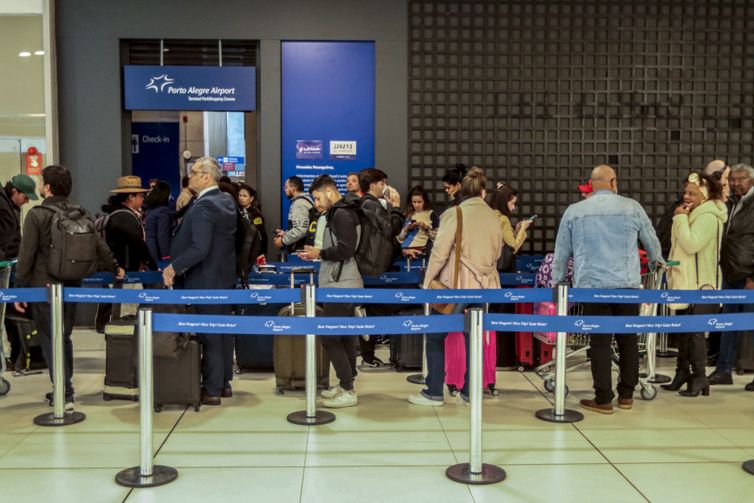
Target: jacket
pixel 203 250
pixel 695 242
pixel 127 240
pixel 737 252
pixel 417 237
pixel 481 244
pixel 510 236
pixel 338 268
pixel 602 234
pixel 159 230
pixel 254 215
pixel 34 252
pixel 298 222
pixel 10 227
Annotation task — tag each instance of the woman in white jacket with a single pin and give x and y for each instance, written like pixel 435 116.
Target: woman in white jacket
pixel 696 234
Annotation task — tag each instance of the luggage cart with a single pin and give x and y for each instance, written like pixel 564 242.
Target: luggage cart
pixel 5 270
pixel 578 344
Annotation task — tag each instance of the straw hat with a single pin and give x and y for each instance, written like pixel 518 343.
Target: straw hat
pixel 129 185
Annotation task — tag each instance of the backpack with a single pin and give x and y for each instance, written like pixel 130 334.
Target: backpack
pixel 374 253
pixel 248 247
pixel 73 244
pixel 103 220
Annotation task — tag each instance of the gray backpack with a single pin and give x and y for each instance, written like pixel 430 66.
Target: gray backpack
pixel 73 244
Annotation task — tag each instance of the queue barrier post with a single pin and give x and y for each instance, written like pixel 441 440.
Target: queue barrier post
pixel 147 474
pixel 475 472
pixel 59 416
pixel 311 416
pixel 559 414
pixel 421 378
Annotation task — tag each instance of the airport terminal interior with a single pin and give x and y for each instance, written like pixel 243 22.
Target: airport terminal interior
pixel 162 98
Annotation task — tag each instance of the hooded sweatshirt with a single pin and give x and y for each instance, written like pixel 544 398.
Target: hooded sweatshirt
pixel 695 243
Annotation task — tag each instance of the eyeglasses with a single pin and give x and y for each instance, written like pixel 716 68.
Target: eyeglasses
pixel 195 172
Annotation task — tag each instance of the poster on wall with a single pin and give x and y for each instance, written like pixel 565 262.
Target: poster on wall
pixel 327 110
pixel 154 153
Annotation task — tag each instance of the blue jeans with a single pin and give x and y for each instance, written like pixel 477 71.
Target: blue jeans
pixel 729 340
pixel 436 363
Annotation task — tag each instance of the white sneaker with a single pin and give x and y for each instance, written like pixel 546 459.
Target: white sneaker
pixel 419 399
pixel 344 399
pixel 331 393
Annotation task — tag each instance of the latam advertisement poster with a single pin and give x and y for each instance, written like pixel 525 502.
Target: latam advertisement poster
pixel 327 110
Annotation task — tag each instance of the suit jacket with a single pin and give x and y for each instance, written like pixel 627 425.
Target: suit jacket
pixel 481 244
pixel 204 246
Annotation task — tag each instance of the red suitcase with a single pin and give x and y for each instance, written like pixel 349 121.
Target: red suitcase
pixel 524 341
pixel 455 361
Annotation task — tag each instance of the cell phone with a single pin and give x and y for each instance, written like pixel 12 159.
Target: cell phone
pixel 532 218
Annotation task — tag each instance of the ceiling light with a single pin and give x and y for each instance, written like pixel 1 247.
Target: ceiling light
pixel 39 53
pixel 24 54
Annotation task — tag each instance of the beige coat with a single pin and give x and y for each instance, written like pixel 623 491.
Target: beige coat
pixel 481 244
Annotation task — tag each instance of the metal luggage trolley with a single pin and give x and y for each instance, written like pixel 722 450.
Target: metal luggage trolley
pixel 5 271
pixel 578 344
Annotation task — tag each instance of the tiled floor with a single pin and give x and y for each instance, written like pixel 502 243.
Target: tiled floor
pixel 670 449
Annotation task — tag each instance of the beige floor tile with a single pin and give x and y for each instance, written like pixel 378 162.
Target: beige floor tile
pixel 664 445
pixel 513 447
pixel 226 484
pixel 65 449
pixel 236 449
pixel 61 485
pixel 382 485
pixel 691 482
pixel 376 451
pixel 561 483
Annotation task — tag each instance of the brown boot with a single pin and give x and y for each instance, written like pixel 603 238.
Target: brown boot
pixel 625 403
pixel 604 408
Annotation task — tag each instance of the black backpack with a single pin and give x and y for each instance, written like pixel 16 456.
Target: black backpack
pixel 248 247
pixel 374 253
pixel 73 243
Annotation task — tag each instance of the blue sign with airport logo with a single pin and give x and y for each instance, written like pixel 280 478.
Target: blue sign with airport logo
pixel 206 88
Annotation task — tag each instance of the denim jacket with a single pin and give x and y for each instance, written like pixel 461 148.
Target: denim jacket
pixel 601 234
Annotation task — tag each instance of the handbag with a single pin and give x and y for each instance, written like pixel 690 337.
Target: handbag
pixel 435 284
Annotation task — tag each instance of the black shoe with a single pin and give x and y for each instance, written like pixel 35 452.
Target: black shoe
pixel 680 378
pixel 749 386
pixel 720 378
pixel 698 384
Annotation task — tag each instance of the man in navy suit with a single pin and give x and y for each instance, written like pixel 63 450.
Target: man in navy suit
pixel 204 258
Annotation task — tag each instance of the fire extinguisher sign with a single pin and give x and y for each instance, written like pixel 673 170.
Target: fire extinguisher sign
pixel 33 162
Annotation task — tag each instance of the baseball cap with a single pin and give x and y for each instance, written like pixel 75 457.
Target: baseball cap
pixel 25 184
pixel 586 188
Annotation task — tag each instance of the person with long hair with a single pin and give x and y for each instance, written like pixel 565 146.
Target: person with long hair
pixel 503 201
pixel 420 226
pixel 252 211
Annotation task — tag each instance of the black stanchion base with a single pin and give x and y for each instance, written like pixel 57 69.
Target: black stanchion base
pixel 161 475
pixel 670 353
pixel 568 416
pixel 416 379
pixel 49 419
pixel 748 466
pixel 491 474
pixel 320 417
pixel 660 379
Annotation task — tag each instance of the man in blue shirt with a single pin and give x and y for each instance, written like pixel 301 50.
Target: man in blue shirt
pixel 601 233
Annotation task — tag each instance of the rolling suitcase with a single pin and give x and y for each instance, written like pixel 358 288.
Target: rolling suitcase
pixel 178 381
pixel 455 361
pixel 254 353
pixel 407 351
pixel 121 360
pixel 745 361
pixel 289 351
pixel 524 341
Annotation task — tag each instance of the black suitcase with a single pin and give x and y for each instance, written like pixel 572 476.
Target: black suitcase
pixel 121 360
pixel 745 361
pixel 407 351
pixel 254 353
pixel 290 357
pixel 178 381
pixel 30 359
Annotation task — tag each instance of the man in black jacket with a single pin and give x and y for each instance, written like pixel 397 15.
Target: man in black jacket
pixel 17 192
pixel 32 269
pixel 736 252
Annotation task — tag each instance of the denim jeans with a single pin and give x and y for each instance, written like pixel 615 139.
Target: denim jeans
pixel 436 363
pixel 729 340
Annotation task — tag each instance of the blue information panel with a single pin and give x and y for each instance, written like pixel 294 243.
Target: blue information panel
pixel 327 109
pixel 154 152
pixel 205 88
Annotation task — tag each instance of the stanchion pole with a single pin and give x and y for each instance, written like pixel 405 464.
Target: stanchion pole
pixel 560 414
pixel 59 416
pixel 421 378
pixel 475 472
pixel 311 416
pixel 147 474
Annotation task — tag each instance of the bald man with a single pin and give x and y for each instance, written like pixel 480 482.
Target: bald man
pixel 601 233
